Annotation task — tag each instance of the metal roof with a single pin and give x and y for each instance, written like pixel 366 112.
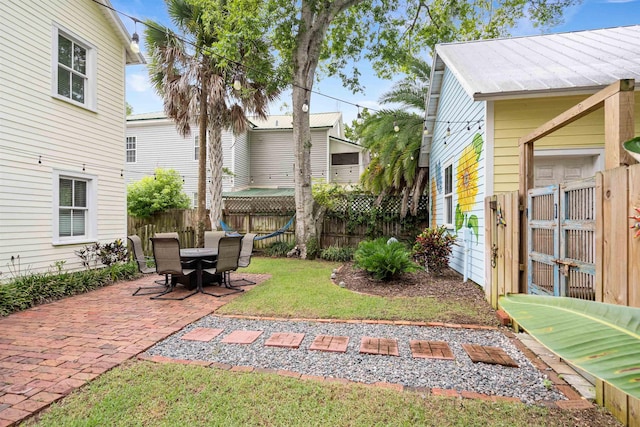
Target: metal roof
pixel 581 61
pixel 319 120
pixel 260 192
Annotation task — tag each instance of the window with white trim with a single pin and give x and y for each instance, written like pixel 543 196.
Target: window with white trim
pixel 74 216
pixel 448 194
pixel 73 69
pixel 195 200
pixel 196 145
pixel 131 149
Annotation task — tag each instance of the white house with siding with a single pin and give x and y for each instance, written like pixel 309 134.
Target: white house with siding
pixel 486 94
pixel 262 157
pixel 62 122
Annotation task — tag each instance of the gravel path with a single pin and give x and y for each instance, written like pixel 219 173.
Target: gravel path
pixel 525 382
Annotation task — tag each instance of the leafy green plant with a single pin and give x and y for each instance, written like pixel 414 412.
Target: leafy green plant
pixel 603 339
pixel 30 290
pixel 432 249
pixel 278 249
pixel 337 254
pixel 384 260
pixel 157 193
pixel 107 253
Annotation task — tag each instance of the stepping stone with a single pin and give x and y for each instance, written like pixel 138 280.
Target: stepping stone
pixel 202 334
pixel 333 343
pixel 241 337
pixel 431 349
pixel 384 346
pixel 285 339
pixel 487 354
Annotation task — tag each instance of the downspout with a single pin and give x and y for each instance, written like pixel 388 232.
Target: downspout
pixel 466 236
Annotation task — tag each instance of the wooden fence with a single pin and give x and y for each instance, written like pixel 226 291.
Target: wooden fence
pixel 353 219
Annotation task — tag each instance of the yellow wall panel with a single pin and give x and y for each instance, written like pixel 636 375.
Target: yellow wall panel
pixel 516 118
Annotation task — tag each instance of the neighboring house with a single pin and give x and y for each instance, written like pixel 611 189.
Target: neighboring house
pixel 262 157
pixel 62 122
pixel 485 95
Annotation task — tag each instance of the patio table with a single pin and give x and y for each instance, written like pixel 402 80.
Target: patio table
pixel 199 254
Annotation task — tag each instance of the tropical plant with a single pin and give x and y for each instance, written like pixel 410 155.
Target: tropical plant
pixel 383 259
pixel 338 254
pixel 603 339
pixel 393 139
pixel 213 74
pixel 157 193
pixel 432 249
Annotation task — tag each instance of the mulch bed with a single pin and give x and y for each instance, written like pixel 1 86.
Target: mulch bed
pixel 448 286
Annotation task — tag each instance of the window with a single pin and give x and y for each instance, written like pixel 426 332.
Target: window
pixel 74 208
pixel 73 69
pixel 131 149
pixel 448 194
pixel 344 159
pixel 195 200
pixel 196 144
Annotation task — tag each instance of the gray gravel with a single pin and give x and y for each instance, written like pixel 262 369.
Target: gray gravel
pixel 525 382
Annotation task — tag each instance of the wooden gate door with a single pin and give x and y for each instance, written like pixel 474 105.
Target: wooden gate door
pixel 543 248
pixel 561 258
pixel 577 239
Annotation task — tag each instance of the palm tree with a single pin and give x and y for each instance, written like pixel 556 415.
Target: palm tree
pixel 197 86
pixel 393 138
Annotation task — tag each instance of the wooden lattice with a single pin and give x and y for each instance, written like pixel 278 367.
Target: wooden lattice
pixel 261 205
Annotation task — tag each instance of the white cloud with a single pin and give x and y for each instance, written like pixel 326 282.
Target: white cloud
pixel 138 82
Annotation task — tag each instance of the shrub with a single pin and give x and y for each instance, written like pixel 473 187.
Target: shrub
pixel 334 253
pixel 108 254
pixel 158 193
pixel 432 249
pixel 278 249
pixel 30 290
pixel 384 261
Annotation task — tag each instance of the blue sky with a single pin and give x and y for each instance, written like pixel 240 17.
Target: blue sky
pixel 591 14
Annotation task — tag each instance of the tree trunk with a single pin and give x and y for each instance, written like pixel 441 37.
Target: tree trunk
pixel 202 168
pixel 314 23
pixel 215 164
pixel 418 188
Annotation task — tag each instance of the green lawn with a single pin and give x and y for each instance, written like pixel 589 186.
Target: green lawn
pixel 147 394
pixel 303 289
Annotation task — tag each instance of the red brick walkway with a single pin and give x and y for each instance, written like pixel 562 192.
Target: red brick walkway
pixel 48 351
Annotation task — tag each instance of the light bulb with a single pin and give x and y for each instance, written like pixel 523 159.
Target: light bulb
pixel 305 107
pixel 237 85
pixel 411 157
pixel 135 40
pixel 359 119
pixel 396 128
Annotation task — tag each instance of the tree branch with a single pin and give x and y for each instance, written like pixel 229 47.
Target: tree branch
pixel 415 19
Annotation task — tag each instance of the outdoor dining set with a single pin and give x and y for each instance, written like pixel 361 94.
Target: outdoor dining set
pixel 194 267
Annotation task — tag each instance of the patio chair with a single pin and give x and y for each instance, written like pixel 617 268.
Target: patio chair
pixel 141 259
pixel 166 252
pixel 245 258
pixel 211 238
pixel 173 235
pixel 228 255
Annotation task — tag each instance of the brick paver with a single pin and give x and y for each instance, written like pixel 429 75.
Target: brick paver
pixel 202 334
pixel 332 343
pixel 285 339
pixel 431 349
pixel 488 354
pixel 384 346
pixel 241 337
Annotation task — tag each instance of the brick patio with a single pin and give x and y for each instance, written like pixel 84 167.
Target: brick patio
pixel 49 350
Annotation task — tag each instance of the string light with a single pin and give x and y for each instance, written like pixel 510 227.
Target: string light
pixel 305 107
pixel 448 129
pixel 39 160
pixel 359 117
pixel 135 39
pixel 83 167
pixel 396 128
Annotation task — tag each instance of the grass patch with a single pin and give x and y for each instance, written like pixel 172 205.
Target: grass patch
pixel 147 394
pixel 300 288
